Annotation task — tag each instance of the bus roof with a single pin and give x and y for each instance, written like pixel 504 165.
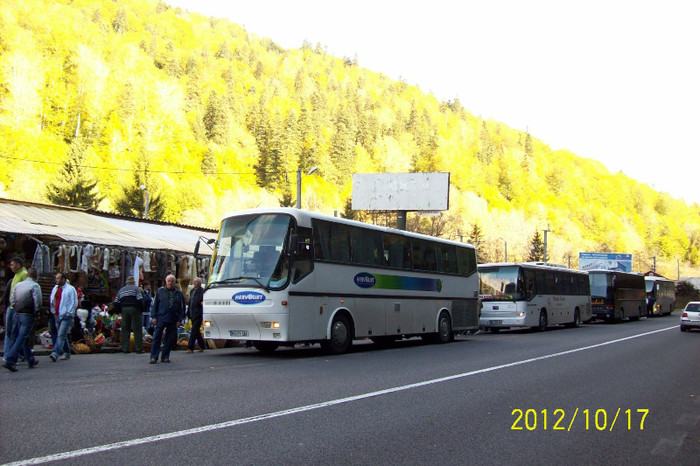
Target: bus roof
pixel 653 278
pixel 532 265
pixel 305 217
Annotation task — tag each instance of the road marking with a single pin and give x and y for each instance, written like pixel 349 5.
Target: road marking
pixel 261 417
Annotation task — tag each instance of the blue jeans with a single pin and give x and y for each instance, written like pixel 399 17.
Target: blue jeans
pixel 170 335
pixel 64 323
pixel 10 331
pixel 24 327
pixel 53 330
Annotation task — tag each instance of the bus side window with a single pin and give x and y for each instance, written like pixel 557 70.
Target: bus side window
pixel 302 263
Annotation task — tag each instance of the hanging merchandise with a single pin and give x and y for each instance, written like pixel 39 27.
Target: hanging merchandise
pixel 97 257
pixel 136 269
pixel 146 261
pixel 86 261
pixel 107 259
pixel 75 251
pixel 42 259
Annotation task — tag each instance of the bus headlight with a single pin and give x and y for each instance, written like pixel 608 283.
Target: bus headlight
pixel 521 314
pixel 207 323
pixel 270 324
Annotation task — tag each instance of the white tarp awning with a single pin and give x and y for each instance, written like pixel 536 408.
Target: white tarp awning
pixel 80 226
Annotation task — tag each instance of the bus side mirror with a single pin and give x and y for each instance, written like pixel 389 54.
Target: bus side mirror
pixel 297 245
pixel 207 241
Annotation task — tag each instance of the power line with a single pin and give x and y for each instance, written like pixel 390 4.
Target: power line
pixel 45 162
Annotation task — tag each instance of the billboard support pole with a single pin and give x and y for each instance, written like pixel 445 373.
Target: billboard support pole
pixel 401 219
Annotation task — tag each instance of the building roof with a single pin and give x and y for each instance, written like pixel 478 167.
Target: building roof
pixel 50 222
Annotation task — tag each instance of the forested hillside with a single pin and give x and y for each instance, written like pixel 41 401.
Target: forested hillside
pixel 99 97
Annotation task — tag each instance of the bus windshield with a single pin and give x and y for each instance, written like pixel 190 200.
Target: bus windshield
pixel 251 251
pixel 600 283
pixel 500 283
pixel 650 285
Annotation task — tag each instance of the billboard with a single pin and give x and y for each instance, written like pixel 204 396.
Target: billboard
pixel 401 191
pixel 605 261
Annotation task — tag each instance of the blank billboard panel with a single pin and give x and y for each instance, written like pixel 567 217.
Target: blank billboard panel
pixel 401 191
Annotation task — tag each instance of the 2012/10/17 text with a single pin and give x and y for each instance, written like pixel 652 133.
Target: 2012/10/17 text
pixel 588 419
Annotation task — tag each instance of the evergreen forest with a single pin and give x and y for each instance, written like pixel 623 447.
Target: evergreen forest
pixel 103 101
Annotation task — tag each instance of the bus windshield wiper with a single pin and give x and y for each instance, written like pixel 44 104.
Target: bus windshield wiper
pixel 238 280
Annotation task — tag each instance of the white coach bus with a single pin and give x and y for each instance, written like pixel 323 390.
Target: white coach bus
pixel 533 295
pixel 285 276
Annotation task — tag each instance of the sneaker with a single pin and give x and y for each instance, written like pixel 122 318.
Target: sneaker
pixel 152 361
pixel 10 367
pixel 189 351
pixel 200 350
pixel 33 363
pixel 64 357
pixel 165 360
pixel 53 357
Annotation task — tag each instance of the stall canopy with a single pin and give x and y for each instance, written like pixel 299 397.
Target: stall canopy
pixel 57 223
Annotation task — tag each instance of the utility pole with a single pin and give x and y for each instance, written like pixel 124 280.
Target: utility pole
pixel 544 258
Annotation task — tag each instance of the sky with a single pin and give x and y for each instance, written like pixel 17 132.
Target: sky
pixel 613 80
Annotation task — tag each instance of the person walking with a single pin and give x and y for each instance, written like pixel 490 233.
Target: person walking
pixel 147 301
pixel 195 314
pixel 130 300
pixel 26 301
pixel 63 303
pixel 167 312
pixel 20 274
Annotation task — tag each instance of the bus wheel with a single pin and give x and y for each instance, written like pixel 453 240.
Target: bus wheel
pixel 495 329
pixel 542 324
pixel 341 336
pixel 444 333
pixel 577 319
pixel 265 346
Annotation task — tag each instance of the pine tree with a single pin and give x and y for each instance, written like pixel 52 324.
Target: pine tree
pixel 72 185
pixel 527 157
pixel 476 237
pixel 536 248
pixel 209 165
pixel 217 121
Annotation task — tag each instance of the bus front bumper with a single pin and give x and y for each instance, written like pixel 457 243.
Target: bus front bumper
pixel 256 327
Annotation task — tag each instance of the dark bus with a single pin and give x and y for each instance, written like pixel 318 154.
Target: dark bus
pixel 661 296
pixel 617 295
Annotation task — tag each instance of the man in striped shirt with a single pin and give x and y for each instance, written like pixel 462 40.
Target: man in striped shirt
pixel 130 300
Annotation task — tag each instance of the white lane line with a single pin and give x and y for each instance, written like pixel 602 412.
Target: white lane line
pixel 261 417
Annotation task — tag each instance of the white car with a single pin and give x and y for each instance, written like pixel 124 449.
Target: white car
pixel 690 318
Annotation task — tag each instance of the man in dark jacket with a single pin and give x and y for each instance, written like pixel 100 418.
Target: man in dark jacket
pixel 195 314
pixel 167 312
pixel 130 300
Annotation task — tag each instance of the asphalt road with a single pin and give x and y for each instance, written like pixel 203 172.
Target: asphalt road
pixel 607 394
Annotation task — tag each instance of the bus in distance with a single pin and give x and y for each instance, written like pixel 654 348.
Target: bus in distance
pixel 617 295
pixel 532 295
pixel 285 276
pixel 661 295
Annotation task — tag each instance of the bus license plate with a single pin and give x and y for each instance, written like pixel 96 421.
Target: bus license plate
pixel 238 333
pixel 495 322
